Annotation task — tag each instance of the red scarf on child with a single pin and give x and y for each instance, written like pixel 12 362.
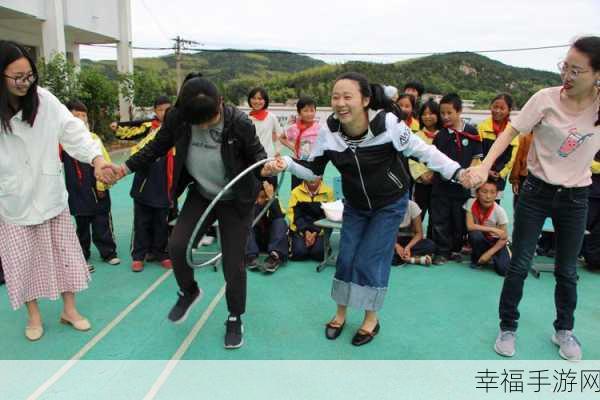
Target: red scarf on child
pixel 480 216
pixel 302 127
pixel 78 171
pixel 430 135
pixel 259 114
pixel 499 127
pixel 458 134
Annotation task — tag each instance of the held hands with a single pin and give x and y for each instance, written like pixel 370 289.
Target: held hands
pixel 274 167
pixel 473 177
pixel 106 172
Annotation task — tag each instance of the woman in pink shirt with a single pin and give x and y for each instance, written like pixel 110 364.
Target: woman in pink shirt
pixel 565 122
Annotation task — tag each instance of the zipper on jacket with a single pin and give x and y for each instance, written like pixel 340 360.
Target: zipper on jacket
pixel 362 182
pixel 94 194
pixel 143 184
pixel 395 179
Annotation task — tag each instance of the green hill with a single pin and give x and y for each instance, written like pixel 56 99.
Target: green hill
pixel 288 75
pixel 471 75
pixel 221 67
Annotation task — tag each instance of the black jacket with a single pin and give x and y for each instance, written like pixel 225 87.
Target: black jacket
pixel 240 149
pixel 81 186
pixel 373 176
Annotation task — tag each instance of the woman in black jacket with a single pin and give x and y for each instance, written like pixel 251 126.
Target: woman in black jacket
pixel 213 144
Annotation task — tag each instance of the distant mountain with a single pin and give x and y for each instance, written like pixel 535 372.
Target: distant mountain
pixel 471 75
pixel 220 67
pixel 289 75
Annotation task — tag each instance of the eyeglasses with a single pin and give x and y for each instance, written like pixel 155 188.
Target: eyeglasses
pixel 573 73
pixel 28 79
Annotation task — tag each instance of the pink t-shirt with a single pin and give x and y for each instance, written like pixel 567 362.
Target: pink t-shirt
pixel 308 138
pixel 564 142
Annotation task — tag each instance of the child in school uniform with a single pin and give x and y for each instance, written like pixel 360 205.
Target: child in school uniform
pixel 269 234
pixel 152 193
pixel 430 120
pixel 489 129
pixel 408 104
pixel 304 209
pixel 301 135
pixel 411 246
pixel 487 226
pixel 460 142
pixel 89 199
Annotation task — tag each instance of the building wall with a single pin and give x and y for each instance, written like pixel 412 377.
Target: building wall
pixel 98 16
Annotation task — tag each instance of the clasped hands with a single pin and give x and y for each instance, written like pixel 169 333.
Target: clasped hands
pixel 107 172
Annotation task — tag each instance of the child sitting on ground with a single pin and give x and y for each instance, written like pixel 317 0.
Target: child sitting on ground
pixel 269 234
pixel 411 247
pixel 487 226
pixel 304 209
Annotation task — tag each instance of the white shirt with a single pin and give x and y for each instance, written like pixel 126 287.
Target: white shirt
pixel 412 211
pixel 264 131
pixel 32 186
pixel 497 218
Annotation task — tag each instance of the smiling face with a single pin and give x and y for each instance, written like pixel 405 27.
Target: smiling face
pixel 21 70
pixel 405 105
pixel 499 110
pixel 257 102
pixel 577 73
pixel 430 119
pixel 349 104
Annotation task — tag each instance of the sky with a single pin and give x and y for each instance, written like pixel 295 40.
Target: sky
pixel 368 26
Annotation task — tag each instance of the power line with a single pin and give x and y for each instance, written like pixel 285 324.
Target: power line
pixel 156 21
pixel 325 53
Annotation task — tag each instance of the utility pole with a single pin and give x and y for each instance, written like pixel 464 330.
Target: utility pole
pixel 179 46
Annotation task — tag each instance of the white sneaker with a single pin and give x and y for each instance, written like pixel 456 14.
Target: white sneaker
pixel 207 240
pixel 569 346
pixel 114 261
pixel 505 343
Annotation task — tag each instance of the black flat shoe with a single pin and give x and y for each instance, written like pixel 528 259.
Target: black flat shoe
pixel 363 337
pixel 332 332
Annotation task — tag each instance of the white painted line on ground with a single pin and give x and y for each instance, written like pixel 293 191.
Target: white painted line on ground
pixel 105 331
pixel 172 363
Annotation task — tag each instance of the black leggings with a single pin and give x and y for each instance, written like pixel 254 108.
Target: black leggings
pixel 234 235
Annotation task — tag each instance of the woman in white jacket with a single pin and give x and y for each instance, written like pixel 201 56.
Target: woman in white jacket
pixel 41 255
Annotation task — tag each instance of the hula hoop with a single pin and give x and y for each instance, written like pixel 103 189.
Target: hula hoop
pixel 213 203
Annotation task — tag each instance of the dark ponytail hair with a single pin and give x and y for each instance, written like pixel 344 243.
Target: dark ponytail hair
pixel 376 93
pixel 198 101
pixel 9 53
pixel 590 46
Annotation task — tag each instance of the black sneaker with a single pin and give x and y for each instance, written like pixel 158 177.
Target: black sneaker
pixel 234 332
pixel 251 262
pixel 456 257
pixel 272 262
pixel 439 260
pixel 185 302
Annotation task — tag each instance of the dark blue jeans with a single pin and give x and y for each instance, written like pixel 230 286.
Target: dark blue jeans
pixel 274 239
pixel 568 210
pixel 480 244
